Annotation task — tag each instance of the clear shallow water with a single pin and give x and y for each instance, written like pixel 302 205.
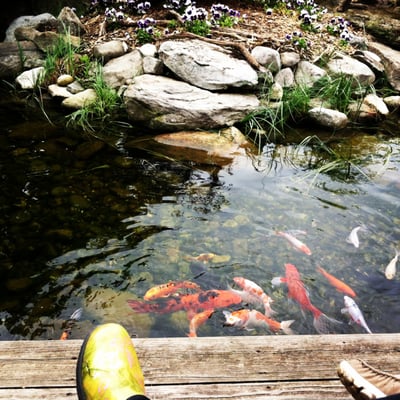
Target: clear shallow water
pixel 90 225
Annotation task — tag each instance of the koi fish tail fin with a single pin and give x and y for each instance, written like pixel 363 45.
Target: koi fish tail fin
pixel 285 327
pixel 325 325
pixel 141 306
pixel 268 311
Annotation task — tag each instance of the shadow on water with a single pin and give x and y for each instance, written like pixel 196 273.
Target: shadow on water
pixel 92 225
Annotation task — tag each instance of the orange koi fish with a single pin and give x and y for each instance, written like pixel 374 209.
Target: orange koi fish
pixel 247 319
pixel 298 293
pixel 198 320
pixel 166 289
pixel 296 243
pixel 69 323
pixel 192 303
pixel 337 283
pixel 257 292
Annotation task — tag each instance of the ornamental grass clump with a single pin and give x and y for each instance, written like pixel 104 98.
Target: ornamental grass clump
pixel 273 119
pixel 60 58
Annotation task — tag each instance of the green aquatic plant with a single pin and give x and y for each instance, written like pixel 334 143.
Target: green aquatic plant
pixel 269 122
pixel 94 114
pixel 340 162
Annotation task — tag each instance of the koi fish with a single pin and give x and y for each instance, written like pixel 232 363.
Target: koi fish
pixel 390 270
pixel 354 312
pixel 192 303
pixel 298 292
pixel 353 237
pixel 337 283
pixel 203 257
pixel 248 319
pixel 296 243
pixel 166 289
pixel 69 323
pixel 198 320
pixel 257 292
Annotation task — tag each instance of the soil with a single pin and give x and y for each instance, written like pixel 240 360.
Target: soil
pixel 254 28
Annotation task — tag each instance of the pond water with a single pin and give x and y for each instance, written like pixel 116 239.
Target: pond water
pixel 89 224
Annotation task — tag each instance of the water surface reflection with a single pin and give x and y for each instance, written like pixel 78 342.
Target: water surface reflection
pixel 90 225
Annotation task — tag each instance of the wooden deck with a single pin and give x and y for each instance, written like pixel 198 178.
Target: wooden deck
pixel 274 367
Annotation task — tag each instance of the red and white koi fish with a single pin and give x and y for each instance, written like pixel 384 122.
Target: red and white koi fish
pixel 337 283
pixel 390 270
pixel 198 320
pixel 257 292
pixel 351 308
pixel 296 243
pixel 166 289
pixel 192 303
pixel 298 293
pixel 353 237
pixel 69 323
pixel 248 319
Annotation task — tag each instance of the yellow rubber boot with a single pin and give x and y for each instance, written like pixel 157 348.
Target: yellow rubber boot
pixel 108 367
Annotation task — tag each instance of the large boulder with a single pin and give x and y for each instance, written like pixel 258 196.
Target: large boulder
pixel 164 103
pixel 29 20
pixel 328 118
pixel 391 60
pixel 267 57
pixel 308 73
pixel 118 71
pixel 346 65
pixel 206 65
pixel 15 57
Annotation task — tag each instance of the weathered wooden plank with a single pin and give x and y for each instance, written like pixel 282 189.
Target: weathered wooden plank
pixel 245 391
pixel 277 367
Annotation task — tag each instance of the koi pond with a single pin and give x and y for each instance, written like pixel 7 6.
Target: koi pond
pixel 91 224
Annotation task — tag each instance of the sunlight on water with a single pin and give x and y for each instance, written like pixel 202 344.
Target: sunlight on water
pixel 128 227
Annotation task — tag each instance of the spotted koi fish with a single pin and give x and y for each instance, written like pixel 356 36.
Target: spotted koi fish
pixel 254 290
pixel 192 303
pixel 248 319
pixel 197 320
pixel 169 288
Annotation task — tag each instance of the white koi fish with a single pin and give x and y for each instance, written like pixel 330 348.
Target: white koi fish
pixel 296 243
pixel 353 237
pixel 354 312
pixel 390 270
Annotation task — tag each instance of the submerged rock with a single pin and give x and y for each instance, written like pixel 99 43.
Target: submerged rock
pixel 329 118
pixel 346 65
pixel 204 147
